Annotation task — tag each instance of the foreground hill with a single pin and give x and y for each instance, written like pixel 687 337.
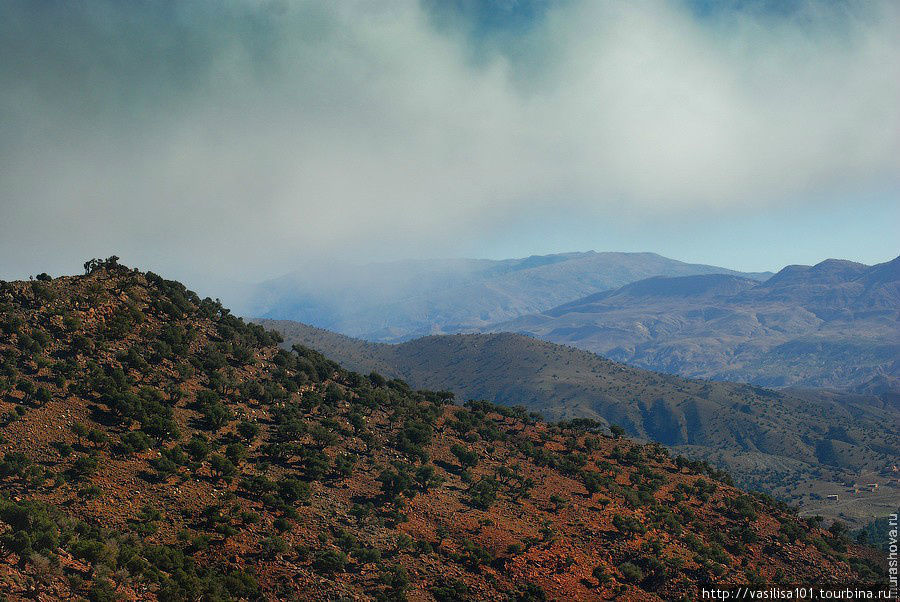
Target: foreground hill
pixel 799 445
pixel 396 301
pixel 156 447
pixel 835 324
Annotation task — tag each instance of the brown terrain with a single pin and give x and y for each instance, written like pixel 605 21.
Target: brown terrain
pixel 156 447
pixel 800 446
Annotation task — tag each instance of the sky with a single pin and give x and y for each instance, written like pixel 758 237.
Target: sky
pixel 237 140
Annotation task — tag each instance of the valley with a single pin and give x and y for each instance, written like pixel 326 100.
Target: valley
pixel 795 444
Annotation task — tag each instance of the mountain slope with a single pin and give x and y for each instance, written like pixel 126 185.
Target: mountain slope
pixel 154 447
pixel 767 439
pixel 835 324
pixel 402 300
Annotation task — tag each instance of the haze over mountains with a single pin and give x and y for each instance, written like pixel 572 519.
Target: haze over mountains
pixel 834 324
pixel 397 301
pixel 384 183
pixel 831 325
pixel 767 439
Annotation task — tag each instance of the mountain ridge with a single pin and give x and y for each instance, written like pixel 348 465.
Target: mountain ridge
pixel 752 432
pixel 156 447
pixel 396 301
pixel 831 325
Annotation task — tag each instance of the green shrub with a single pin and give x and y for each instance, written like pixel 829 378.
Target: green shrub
pixel 531 593
pixel 394 482
pixel 631 572
pixel 467 458
pixel 414 436
pixel 102 591
pixel 367 555
pixel 329 561
pixel 164 467
pixel 42 395
pixel 397 580
pixel 293 490
pixel 64 449
pixel 198 447
pixel 600 574
pixel 26 387
pixel 90 492
pixel 235 452
pixel 14 464
pixel 135 441
pixel 483 493
pixel 248 430
pixel 628 526
pixel 97 438
pixel 221 467
pixel 343 465
pixel 216 415
pixel 84 466
pixel 273 546
pixel 427 478
pixel 450 590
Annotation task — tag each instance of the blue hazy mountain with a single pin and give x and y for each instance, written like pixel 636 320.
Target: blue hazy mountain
pixel 835 324
pixel 397 301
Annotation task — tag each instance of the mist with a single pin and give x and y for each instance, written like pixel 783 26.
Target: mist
pixel 239 140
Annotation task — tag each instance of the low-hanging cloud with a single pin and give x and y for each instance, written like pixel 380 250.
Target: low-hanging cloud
pixel 242 136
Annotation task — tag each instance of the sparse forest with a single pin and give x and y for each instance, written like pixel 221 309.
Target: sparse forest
pixel 177 453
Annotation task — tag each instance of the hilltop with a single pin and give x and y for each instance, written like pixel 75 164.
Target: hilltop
pixel 156 447
pixel 798 445
pixel 831 325
pixel 397 301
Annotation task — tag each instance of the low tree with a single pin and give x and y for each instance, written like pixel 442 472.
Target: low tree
pixel 14 464
pixel 27 388
pixel 292 490
pixel 97 438
pixel 80 431
pixel 221 467
pixel 394 482
pixel 631 572
pixel 42 396
pixel 427 477
pixel 248 430
pixel 483 493
pixel 329 561
pixel 467 458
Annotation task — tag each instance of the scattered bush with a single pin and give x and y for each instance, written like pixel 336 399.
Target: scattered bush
pixel 329 561
pixel 483 493
pixel 631 572
pixel 467 458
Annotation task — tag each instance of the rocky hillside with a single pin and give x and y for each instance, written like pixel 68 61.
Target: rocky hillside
pixel 156 447
pixel 798 445
pixel 397 301
pixel 835 324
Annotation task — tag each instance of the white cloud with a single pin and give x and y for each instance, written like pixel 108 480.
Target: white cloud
pixel 248 138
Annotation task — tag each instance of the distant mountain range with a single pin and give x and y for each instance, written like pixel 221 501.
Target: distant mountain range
pixel 768 439
pixel 835 324
pixel 391 302
pixel 831 325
